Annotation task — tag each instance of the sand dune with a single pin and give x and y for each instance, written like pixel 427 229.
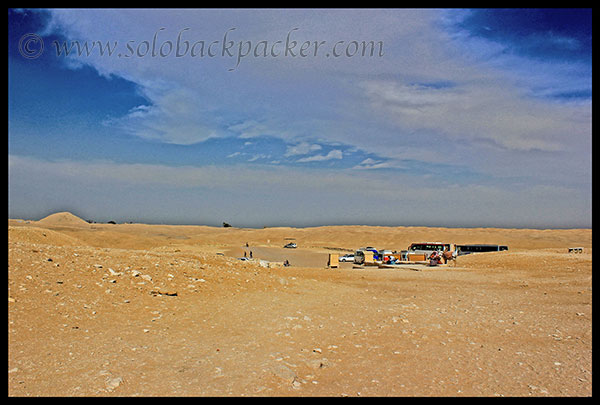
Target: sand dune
pixel 346 238
pixel 162 310
pixel 62 219
pixel 37 235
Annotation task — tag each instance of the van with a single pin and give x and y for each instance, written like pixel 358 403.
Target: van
pixel 367 254
pixel 359 256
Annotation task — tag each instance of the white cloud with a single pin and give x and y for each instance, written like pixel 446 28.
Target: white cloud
pixel 174 115
pixel 249 129
pixel 369 163
pixel 188 98
pixel 489 111
pixel 303 148
pixel 334 154
pixel 258 156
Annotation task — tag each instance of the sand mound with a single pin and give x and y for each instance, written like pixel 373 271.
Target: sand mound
pixel 36 235
pixel 62 219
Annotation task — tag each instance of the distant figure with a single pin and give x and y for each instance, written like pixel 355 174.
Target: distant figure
pixel 250 254
pixel 244 253
pixel 286 263
pixel 435 259
pixel 246 244
pixel 448 255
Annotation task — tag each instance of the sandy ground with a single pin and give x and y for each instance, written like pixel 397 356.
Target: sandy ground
pixel 157 310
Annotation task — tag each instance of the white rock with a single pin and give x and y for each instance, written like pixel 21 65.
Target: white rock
pixel 113 273
pixel 113 383
pixel 284 373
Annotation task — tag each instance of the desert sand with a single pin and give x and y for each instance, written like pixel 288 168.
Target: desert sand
pixel 162 310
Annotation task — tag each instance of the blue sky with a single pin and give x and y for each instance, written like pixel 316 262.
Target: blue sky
pixel 460 118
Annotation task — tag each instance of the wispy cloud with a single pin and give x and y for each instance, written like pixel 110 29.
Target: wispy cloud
pixel 488 111
pixel 333 154
pixel 254 129
pixel 172 115
pixel 369 164
pixel 302 148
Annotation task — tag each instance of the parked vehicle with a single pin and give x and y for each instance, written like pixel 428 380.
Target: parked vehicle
pixel 359 255
pixel 291 245
pixel 466 249
pixel 428 248
pixel 347 258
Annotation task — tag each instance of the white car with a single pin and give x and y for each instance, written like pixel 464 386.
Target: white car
pixel 347 258
pixel 291 245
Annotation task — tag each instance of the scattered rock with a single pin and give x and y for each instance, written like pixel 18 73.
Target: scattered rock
pixel 113 383
pixel 316 364
pixel 163 291
pixel 285 373
pixel 219 372
pixel 113 273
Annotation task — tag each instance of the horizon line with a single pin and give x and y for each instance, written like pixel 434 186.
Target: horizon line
pixel 394 225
